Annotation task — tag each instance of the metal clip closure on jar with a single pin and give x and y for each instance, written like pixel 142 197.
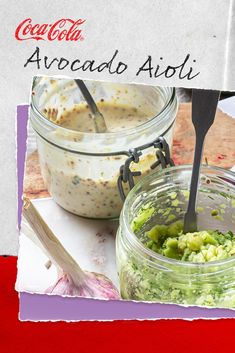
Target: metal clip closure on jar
pixel 163 159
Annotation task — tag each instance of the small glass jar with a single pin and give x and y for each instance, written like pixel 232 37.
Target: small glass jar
pixel 148 276
pixel 81 169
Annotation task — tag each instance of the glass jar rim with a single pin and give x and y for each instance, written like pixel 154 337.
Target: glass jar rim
pixel 125 133
pixel 152 254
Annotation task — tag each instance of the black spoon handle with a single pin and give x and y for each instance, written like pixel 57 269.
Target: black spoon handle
pixel 204 104
pixel 88 97
pixel 100 125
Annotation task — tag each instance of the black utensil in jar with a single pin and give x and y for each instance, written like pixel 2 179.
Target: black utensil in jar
pixel 100 125
pixel 204 104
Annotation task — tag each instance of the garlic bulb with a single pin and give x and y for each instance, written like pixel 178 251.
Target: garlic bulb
pixel 95 285
pixel 74 281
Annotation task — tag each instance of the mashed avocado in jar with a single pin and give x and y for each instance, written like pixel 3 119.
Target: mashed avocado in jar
pixel 188 286
pixel 199 247
pixel 157 262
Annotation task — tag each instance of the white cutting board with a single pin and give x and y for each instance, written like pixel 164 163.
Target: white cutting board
pixel 90 242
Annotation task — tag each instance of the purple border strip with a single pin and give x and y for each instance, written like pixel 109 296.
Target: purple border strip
pixel 36 307
pixel 52 307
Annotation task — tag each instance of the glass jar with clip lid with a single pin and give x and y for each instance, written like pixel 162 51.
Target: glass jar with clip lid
pixel 89 173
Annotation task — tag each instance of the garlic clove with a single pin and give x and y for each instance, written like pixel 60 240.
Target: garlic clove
pixel 74 281
pixel 95 285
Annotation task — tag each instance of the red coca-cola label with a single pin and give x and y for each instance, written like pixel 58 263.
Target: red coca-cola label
pixel 63 29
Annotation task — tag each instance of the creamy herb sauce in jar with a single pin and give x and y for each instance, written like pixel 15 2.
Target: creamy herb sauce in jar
pixel 117 117
pixel 92 196
pixel 81 167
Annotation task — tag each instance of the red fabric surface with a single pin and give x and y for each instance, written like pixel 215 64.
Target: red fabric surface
pixel 168 336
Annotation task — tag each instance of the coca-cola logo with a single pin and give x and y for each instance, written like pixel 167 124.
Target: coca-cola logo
pixel 63 29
